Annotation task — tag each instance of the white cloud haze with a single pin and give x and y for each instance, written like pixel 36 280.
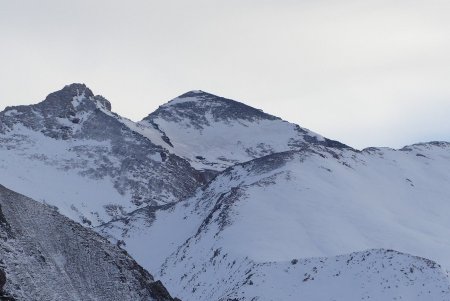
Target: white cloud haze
pixel 362 72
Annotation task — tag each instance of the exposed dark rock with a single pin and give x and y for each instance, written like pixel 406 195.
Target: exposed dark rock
pixel 54 258
pixel 2 280
pixel 159 292
pixel 221 109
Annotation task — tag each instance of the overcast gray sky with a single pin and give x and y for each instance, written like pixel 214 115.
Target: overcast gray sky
pixel 367 73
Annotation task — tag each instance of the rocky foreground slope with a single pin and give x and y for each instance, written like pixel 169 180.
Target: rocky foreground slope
pixel 46 256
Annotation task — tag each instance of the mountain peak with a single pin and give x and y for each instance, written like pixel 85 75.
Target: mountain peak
pixel 59 114
pixel 194 93
pixel 74 95
pixel 197 106
pixel 214 132
pixel 195 96
pixel 78 88
pixel 68 93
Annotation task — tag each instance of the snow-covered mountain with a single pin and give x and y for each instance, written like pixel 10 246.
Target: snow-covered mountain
pixel 315 202
pixel 226 202
pixel 214 133
pixel 46 256
pixel 72 152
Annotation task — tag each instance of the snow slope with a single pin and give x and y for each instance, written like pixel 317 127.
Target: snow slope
pixel 370 275
pixel 318 202
pixel 315 202
pixel 46 256
pixel 214 133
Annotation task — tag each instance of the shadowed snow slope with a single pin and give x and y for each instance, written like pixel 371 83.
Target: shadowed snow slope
pixel 46 256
